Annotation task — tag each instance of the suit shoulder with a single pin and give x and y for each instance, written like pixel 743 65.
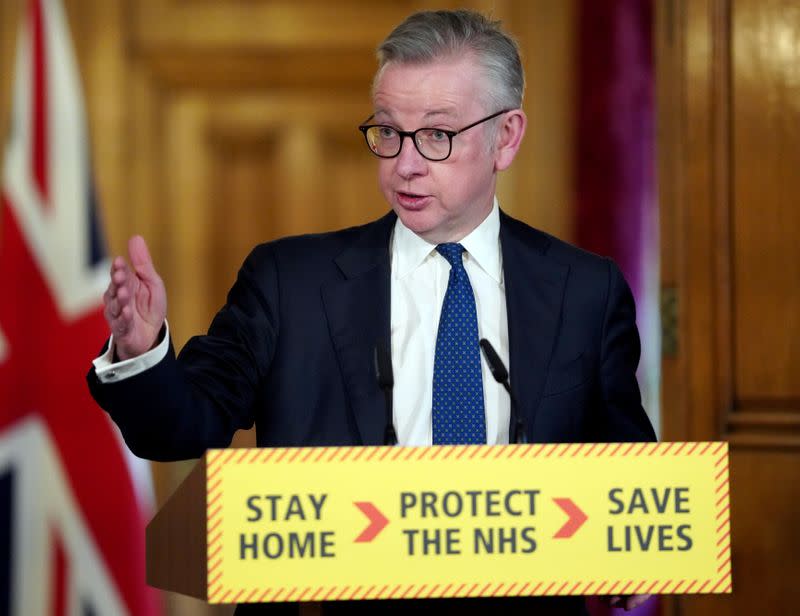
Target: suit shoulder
pixel 314 247
pixel 559 250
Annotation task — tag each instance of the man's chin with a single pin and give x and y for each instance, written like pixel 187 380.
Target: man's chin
pixel 424 225
pixel 418 221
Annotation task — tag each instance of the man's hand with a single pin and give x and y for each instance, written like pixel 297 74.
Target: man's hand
pixel 628 602
pixel 135 301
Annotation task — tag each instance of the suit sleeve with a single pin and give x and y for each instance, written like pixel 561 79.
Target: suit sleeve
pixel 623 419
pixel 185 405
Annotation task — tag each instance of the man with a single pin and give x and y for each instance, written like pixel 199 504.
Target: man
pixel 292 348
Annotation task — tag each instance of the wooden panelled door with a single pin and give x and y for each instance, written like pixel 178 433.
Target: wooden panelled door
pixel 729 148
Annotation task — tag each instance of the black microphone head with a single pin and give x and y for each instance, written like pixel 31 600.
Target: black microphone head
pixel 383 366
pixel 496 365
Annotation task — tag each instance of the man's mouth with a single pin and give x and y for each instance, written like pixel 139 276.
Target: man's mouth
pixel 411 200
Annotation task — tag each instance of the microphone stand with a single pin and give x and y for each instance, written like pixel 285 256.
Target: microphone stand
pixel 385 377
pixel 500 373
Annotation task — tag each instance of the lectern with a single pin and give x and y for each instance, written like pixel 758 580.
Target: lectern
pixel 353 523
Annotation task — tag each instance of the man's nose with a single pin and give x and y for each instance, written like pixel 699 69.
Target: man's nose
pixel 409 161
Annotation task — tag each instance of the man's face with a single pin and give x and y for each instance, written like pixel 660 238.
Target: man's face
pixel 439 201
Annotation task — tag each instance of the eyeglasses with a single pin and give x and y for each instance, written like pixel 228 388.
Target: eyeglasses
pixel 435 144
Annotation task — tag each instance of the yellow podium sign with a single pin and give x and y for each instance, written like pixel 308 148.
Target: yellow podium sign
pixel 344 523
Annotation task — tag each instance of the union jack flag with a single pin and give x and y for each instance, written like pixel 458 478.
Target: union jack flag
pixel 72 499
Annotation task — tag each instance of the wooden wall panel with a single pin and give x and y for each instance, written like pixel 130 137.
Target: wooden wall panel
pixel 728 92
pixel 278 24
pixel 539 188
pixel 766 157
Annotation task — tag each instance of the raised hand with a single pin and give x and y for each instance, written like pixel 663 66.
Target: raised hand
pixel 135 301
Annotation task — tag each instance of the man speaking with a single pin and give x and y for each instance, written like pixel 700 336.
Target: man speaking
pixel 293 348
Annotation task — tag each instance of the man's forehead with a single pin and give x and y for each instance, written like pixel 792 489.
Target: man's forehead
pixel 428 91
pixel 448 111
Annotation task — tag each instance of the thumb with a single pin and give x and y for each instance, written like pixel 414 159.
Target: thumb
pixel 140 258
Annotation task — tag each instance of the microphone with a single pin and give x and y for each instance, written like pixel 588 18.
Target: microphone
pixel 500 374
pixel 383 372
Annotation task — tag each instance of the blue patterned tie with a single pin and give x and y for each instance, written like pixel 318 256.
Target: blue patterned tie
pixel 458 416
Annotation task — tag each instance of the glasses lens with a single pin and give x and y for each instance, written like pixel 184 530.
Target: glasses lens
pixel 383 140
pixel 433 144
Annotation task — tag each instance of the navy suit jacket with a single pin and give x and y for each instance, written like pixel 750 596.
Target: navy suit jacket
pixel 292 351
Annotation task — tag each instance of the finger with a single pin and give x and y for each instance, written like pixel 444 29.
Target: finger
pixel 109 319
pixel 117 275
pixel 140 258
pixel 116 263
pixel 125 285
pixel 119 327
pixel 119 270
pixel 126 318
pixel 120 324
pixel 113 307
pixel 119 278
pixel 121 275
pixel 123 297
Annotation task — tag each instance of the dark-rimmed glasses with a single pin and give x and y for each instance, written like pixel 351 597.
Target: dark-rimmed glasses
pixel 435 144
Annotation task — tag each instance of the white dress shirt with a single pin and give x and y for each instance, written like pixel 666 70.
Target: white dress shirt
pixel 418 286
pixel 419 283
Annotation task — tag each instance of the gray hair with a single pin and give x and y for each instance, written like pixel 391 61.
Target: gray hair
pixel 428 36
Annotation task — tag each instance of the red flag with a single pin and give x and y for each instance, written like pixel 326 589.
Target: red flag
pixel 71 496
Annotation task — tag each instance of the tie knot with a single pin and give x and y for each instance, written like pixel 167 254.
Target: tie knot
pixel 452 252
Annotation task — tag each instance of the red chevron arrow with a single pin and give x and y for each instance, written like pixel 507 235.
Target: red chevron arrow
pixel 377 522
pixel 576 518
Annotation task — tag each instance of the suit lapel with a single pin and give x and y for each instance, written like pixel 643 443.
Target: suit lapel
pixel 534 296
pixel 358 310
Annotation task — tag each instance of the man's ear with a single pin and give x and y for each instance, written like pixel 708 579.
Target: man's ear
pixel 508 139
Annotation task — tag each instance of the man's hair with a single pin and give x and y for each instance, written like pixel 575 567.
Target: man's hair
pixel 428 36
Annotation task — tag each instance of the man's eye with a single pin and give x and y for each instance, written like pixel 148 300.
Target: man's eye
pixel 438 135
pixel 386 133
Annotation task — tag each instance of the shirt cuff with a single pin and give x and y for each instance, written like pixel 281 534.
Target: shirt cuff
pixel 109 371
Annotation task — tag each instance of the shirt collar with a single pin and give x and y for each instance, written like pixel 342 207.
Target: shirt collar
pixel 483 245
pixel 409 250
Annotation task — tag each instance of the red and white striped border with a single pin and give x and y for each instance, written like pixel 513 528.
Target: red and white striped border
pixel 431 591
pixel 215 460
pixel 292 455
pixel 723 518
